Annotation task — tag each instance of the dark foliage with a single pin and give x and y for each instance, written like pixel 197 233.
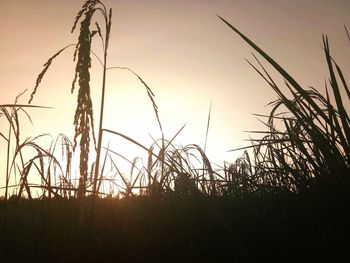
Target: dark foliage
pixel 257 228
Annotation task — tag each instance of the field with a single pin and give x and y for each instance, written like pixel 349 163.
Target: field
pixel 286 198
pixel 292 228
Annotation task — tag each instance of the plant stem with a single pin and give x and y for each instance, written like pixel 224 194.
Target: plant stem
pixel 100 130
pixel 8 161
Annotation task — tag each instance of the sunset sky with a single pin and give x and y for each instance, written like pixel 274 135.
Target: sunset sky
pixel 184 53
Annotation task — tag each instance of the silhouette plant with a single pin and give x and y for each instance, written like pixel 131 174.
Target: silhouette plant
pixel 313 150
pixel 83 117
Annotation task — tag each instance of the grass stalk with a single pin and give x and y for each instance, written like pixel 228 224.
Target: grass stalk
pixel 108 22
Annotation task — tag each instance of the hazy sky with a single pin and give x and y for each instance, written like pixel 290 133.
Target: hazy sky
pixel 182 50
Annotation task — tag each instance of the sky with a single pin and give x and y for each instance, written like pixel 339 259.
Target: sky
pixel 185 54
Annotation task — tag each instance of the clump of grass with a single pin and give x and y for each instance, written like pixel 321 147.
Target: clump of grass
pixel 313 147
pixel 14 143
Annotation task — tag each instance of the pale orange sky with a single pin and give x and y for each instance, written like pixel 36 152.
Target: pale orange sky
pixel 181 49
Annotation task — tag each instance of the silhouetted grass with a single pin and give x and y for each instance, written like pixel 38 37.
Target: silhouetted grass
pixel 288 200
pixel 311 150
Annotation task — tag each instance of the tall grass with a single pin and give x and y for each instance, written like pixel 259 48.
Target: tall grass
pixel 306 144
pixel 287 199
pixel 83 117
pixel 312 148
pixel 15 145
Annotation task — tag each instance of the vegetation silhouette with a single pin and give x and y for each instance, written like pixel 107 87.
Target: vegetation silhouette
pixel 286 200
